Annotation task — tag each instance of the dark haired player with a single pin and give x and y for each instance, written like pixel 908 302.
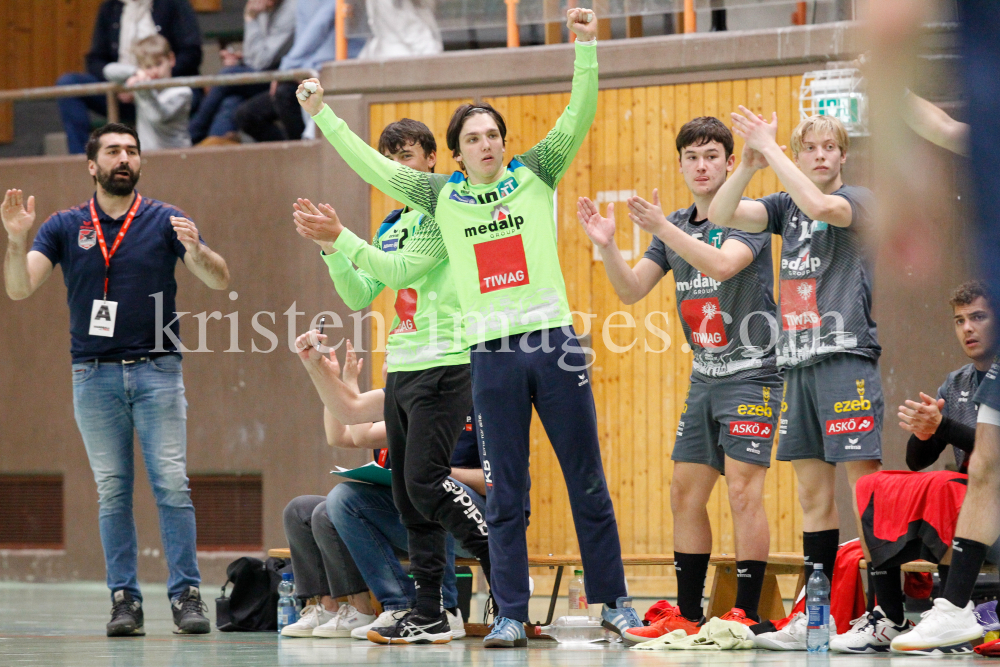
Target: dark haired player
pixel 724 299
pixel 118 253
pixel 494 224
pixel 427 394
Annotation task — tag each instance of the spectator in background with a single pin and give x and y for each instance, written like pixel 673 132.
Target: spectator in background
pixel 275 115
pixel 119 24
pixel 161 115
pixel 401 28
pixel 268 31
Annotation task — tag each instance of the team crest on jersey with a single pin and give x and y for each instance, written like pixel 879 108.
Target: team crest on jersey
pixel 767 394
pixel 507 186
pixel 88 238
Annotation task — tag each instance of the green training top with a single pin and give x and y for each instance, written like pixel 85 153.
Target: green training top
pixel 424 332
pixel 500 237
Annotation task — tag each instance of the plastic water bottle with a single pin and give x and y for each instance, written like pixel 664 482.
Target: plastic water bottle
pixel 577 630
pixel 288 609
pixel 818 611
pixel 577 593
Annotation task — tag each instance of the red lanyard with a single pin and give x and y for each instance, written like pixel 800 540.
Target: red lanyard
pixel 383 455
pixel 118 239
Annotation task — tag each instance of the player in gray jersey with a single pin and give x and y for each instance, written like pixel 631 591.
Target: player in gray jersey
pixel 950 418
pixel 724 298
pixel 832 408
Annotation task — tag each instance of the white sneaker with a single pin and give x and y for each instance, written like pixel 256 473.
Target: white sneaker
pixel 384 619
pixel 792 637
pixel 456 624
pixel 869 633
pixel 944 628
pixel 343 623
pixel 312 617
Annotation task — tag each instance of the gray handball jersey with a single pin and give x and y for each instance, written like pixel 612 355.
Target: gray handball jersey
pixel 825 282
pixel 958 392
pixel 731 326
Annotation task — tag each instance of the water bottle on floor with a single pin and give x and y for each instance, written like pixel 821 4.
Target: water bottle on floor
pixel 288 610
pixel 577 595
pixel 818 611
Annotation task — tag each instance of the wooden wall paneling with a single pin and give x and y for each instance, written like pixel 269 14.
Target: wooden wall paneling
pixel 6 71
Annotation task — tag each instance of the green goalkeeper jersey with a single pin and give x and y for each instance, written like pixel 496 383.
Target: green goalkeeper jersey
pixel 500 237
pixel 424 330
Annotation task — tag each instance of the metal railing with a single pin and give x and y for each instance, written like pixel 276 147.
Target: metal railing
pixel 110 90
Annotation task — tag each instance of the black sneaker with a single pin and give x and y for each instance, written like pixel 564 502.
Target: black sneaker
pixel 126 616
pixel 189 613
pixel 414 629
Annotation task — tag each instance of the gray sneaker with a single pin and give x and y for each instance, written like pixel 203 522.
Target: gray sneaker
pixel 189 613
pixel 126 616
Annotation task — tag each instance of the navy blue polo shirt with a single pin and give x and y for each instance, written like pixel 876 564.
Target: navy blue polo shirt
pixel 142 266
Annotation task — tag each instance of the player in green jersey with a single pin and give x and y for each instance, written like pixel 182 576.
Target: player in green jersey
pixel 428 393
pixel 494 224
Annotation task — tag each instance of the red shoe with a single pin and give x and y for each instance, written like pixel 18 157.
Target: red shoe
pixel 668 620
pixel 739 616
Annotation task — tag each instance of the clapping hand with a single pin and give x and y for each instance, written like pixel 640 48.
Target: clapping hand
pixel 316 224
pixel 649 216
pixel 600 230
pixel 921 419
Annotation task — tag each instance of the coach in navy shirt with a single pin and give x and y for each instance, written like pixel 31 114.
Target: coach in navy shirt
pixel 118 252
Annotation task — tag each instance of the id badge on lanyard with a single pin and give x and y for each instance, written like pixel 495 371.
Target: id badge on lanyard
pixel 104 313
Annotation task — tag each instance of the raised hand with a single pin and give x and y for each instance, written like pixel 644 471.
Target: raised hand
pixel 309 348
pixel 321 224
pixel 352 368
pixel 649 216
pixel 583 23
pixel 752 128
pixel 310 96
pixel 599 230
pixel 753 159
pixel 187 233
pixel 921 419
pixel 18 215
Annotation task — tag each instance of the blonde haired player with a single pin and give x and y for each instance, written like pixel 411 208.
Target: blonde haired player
pixel 828 346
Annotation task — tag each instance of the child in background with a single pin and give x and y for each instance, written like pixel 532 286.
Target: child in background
pixel 161 115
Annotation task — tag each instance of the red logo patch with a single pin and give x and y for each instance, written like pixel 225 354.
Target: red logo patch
pixel 750 429
pixel 704 317
pixel 406 308
pixel 88 238
pixel 501 264
pixel 798 305
pixel 850 425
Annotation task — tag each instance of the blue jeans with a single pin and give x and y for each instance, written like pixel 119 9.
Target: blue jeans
pixel 75 111
pixel 215 115
pixel 110 402
pixel 368 522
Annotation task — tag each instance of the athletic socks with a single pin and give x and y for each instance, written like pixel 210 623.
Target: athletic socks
pixel 870 606
pixel 428 602
pixel 888 589
pixel 966 560
pixel 943 575
pixel 691 571
pixel 749 582
pixel 821 547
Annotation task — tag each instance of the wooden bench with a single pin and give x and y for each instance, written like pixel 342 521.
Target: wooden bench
pixel 723 591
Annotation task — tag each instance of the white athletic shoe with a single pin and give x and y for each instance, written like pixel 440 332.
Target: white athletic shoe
pixel 869 633
pixel 943 629
pixel 792 637
pixel 312 617
pixel 384 619
pixel 343 623
pixel 456 624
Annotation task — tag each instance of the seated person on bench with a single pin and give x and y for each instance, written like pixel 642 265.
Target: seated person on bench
pixel 349 542
pixel 909 515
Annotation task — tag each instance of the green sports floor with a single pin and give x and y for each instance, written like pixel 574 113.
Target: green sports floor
pixel 63 625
